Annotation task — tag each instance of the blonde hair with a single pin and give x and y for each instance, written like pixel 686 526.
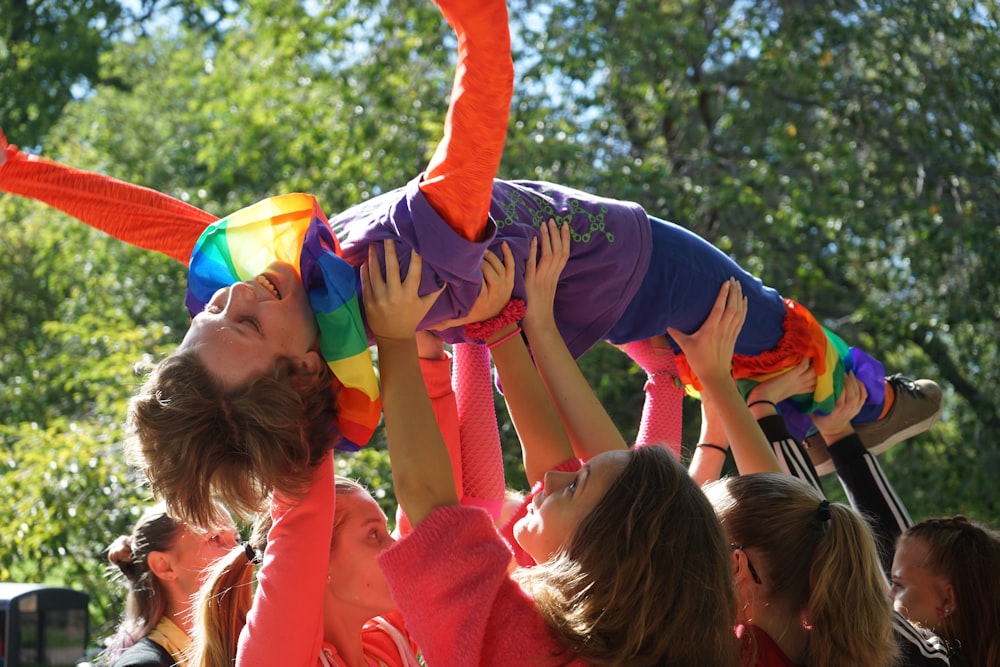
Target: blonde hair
pixel 815 558
pixel 968 556
pixel 645 578
pixel 195 439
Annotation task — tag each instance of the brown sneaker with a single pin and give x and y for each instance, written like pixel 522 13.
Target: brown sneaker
pixel 916 408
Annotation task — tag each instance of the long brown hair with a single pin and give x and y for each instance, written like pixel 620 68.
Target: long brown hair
pixel 645 578
pixel 196 440
pixel 817 559
pixel 968 556
pixel 145 600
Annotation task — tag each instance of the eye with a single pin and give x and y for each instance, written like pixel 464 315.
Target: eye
pixel 252 322
pixel 212 309
pixel 572 486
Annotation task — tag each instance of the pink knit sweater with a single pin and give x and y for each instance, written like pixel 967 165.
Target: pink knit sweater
pixel 450 579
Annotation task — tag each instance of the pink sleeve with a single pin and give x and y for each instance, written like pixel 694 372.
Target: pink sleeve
pixel 285 623
pixel 483 481
pixel 455 566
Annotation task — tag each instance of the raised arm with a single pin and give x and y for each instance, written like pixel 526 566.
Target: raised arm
pixel 545 443
pixel 590 429
pixel 421 468
pixel 709 352
pixel 867 487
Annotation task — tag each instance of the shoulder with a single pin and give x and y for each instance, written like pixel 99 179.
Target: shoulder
pixel 144 653
pixel 918 647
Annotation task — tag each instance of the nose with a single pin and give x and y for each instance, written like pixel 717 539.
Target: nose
pixel 555 480
pixel 240 297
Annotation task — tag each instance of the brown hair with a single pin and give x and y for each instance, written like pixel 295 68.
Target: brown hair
pixel 645 578
pixel 224 600
pixel 817 560
pixel 968 556
pixel 145 601
pixel 196 440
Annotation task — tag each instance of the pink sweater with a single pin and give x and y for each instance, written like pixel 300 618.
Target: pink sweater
pixel 450 579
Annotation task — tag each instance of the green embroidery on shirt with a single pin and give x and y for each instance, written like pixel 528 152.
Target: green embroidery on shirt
pixel 542 212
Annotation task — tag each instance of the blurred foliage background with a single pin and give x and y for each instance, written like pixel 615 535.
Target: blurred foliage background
pixel 845 152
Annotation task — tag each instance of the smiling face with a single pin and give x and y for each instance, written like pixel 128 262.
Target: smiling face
pixel 566 498
pixel 246 327
pixel 357 588
pixel 918 593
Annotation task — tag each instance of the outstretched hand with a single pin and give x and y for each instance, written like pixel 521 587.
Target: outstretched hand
pixel 541 276
pixel 709 350
pixel 837 425
pixel 393 306
pixel 800 379
pixel 498 283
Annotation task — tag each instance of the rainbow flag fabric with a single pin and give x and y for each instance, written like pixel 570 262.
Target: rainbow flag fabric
pixel 293 229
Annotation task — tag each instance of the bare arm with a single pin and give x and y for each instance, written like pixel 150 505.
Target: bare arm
pixel 421 468
pixel 544 441
pixel 590 429
pixel 709 351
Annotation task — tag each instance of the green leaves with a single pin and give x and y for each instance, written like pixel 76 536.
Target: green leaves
pixel 847 154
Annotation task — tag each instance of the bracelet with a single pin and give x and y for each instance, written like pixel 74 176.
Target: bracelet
pixel 762 402
pixel 481 331
pixel 715 447
pixel 506 338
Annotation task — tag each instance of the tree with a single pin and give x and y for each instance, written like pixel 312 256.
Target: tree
pixel 846 153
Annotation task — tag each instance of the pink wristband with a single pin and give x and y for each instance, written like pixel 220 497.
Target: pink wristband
pixel 515 332
pixel 481 331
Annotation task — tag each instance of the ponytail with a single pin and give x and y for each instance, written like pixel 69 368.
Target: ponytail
pixel 222 603
pixel 817 561
pixel 848 608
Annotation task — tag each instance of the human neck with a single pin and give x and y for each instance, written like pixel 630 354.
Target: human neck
pixel 346 639
pixel 180 614
pixel 783 627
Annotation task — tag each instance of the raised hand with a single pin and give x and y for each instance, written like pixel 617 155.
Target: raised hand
pixel 498 283
pixel 393 306
pixel 837 425
pixel 709 350
pixel 541 276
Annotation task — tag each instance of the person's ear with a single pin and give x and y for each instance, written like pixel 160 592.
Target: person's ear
pixel 161 565
pixel 307 368
pixel 948 603
pixel 741 568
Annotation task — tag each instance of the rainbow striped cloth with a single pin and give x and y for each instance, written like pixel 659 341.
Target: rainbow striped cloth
pixel 293 229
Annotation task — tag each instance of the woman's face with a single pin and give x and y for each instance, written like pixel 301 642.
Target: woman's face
pixel 922 596
pixel 247 326
pixel 565 499
pixel 356 583
pixel 194 551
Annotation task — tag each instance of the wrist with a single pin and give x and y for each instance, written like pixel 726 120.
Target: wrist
pixel 503 335
pixel 483 331
pixel 832 435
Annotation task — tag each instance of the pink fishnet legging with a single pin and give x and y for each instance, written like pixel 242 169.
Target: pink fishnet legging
pixel 483 482
pixel 662 412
